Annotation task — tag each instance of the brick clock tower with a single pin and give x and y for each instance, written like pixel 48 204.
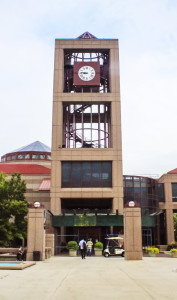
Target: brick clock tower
pixel 86 181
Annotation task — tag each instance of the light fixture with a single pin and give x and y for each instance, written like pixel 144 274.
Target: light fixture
pixel 131 203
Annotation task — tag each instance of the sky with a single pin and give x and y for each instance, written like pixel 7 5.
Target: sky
pixel 147 33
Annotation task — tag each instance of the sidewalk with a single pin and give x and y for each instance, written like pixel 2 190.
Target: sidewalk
pixel 95 278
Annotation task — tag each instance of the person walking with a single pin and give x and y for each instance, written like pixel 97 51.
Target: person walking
pixel 83 247
pixel 89 247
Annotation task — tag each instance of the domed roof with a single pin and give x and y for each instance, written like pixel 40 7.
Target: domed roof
pixel 34 147
pixel 34 151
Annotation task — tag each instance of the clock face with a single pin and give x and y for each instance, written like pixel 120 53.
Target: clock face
pixel 86 73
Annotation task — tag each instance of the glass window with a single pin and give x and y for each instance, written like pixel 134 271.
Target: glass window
pixel 130 193
pixel 42 156
pixel 174 192
pixel 13 157
pixel 106 173
pixel 161 194
pixel 35 156
pixel 86 174
pixel 129 183
pixel 66 167
pixel 96 174
pixel 76 174
pixel 137 190
pixel 128 178
pixel 48 156
pixel 20 156
pixel 27 156
pixel 8 157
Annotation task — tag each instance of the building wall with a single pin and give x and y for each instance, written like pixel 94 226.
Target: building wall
pixel 113 154
pixel 169 206
pixel 44 163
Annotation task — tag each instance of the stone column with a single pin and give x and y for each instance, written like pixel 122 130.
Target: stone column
pixel 170 226
pixel 50 242
pixel 36 233
pixel 132 233
pixel 169 213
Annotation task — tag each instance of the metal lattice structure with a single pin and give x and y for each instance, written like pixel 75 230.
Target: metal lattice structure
pixel 89 55
pixel 86 125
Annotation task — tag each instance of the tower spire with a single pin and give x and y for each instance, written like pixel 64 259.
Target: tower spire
pixel 87 35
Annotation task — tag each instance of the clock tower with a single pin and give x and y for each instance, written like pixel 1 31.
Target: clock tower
pixel 86 180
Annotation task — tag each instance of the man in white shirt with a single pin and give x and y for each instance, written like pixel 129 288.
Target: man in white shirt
pixel 83 247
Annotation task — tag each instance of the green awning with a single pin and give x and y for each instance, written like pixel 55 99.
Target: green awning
pixel 81 220
pixel 148 221
pixel 99 220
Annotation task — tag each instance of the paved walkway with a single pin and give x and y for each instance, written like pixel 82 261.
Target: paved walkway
pixel 95 278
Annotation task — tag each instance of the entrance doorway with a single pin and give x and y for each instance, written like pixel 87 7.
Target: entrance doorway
pixel 76 234
pixel 147 237
pixel 94 233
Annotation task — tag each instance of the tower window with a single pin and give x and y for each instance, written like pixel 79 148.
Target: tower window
pixel 87 174
pixel 86 125
pixel 87 57
pixel 174 192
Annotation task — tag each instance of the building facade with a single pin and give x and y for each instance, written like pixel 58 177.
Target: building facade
pixel 168 201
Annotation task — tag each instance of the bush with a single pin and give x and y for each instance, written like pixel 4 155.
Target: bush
pixel 72 245
pixel 152 250
pixel 173 251
pixel 172 246
pixel 98 245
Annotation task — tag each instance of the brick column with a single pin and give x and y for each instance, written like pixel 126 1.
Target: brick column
pixel 36 233
pixel 132 233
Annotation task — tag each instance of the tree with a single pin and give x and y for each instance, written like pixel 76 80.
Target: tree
pixel 175 225
pixel 13 209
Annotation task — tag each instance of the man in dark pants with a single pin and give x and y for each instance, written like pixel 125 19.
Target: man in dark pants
pixel 83 247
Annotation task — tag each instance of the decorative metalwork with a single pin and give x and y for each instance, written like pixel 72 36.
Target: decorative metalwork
pixel 86 125
pixel 87 55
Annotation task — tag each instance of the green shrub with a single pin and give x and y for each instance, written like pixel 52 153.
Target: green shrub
pixel 98 245
pixel 152 250
pixel 173 251
pixel 172 246
pixel 72 245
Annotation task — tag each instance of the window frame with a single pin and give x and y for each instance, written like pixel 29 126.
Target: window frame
pixel 100 183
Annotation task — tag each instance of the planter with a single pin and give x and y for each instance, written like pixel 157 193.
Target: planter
pixel 98 252
pixel 72 252
pixel 152 251
pixel 174 255
pixel 72 246
pixel 152 254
